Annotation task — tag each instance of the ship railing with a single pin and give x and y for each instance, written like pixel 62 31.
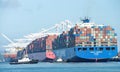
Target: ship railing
pixel 97 44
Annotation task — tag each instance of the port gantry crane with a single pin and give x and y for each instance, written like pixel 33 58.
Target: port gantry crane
pixel 21 43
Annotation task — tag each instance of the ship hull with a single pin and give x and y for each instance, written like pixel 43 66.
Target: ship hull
pixel 9 59
pixel 75 55
pixel 37 56
pixel 42 56
pixel 29 62
pixel 78 59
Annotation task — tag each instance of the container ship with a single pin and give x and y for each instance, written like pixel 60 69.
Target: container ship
pixel 10 55
pixel 41 49
pixel 85 42
pixel 10 51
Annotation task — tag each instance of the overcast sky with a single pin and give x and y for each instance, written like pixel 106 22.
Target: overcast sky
pixel 22 17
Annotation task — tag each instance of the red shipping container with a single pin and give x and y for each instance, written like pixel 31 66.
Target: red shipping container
pixel 108 28
pixel 76 27
pixel 114 40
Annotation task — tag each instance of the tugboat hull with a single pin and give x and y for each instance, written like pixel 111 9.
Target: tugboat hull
pixel 29 62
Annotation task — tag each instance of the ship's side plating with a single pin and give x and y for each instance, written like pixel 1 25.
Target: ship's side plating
pixel 96 52
pixel 87 54
pixel 37 56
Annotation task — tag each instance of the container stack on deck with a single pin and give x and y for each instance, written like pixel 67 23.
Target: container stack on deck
pixel 49 41
pixel 95 36
pixel 41 44
pixel 87 36
pixel 10 55
pixel 37 45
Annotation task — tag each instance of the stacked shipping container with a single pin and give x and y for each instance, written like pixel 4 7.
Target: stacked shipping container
pixel 77 36
pixel 87 36
pixel 41 44
pixel 40 47
pixel 10 55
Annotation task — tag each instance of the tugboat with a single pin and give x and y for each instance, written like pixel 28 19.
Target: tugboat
pixel 25 60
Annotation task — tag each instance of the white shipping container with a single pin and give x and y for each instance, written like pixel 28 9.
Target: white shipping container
pixel 106 37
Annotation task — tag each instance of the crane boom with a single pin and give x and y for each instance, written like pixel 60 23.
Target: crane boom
pixel 7 38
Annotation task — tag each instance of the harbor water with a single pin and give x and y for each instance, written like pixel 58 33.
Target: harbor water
pixel 62 67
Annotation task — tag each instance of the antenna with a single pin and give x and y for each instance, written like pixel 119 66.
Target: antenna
pixel 86 20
